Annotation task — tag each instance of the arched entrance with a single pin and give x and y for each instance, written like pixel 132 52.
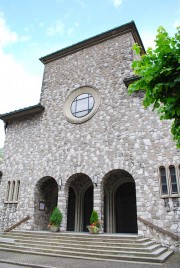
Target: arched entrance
pixel 80 202
pixel 120 213
pixel 46 196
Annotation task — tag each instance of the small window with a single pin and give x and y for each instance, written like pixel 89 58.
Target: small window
pixel 16 193
pixel 82 105
pixel 164 186
pixel 170 181
pixel 7 191
pixel 12 191
pixel 173 180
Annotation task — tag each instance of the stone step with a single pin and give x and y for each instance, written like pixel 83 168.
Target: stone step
pixel 75 235
pixel 82 242
pixel 88 247
pixel 156 258
pixel 101 246
pixel 149 244
pixel 83 238
pixel 105 250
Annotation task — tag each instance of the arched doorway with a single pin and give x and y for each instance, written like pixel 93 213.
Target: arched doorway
pixel 80 202
pixel 46 196
pixel 125 208
pixel 120 213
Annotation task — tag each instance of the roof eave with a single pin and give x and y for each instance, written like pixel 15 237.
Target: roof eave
pixel 128 27
pixel 31 110
pixel 129 80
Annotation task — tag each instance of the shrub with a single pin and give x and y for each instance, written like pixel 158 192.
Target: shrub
pixel 56 217
pixel 94 219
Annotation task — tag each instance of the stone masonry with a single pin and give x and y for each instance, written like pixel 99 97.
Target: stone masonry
pixel 122 135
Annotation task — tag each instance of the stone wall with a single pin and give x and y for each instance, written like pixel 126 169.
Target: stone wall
pixel 121 135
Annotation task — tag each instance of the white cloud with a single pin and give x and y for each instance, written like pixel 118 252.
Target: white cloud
pixel 56 28
pixel 176 23
pixel 148 39
pixel 6 35
pixel 116 3
pixel 18 87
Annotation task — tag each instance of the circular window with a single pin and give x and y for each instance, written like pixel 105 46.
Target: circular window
pixel 81 104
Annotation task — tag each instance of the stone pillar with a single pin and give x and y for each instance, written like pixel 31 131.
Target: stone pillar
pixel 62 204
pixel 98 201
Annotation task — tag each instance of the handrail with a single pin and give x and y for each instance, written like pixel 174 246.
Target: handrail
pixel 159 229
pixel 17 224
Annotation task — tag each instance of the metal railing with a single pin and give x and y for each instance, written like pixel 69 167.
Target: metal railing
pixel 16 224
pixel 159 229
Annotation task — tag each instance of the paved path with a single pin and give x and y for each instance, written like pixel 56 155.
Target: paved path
pixel 9 259
pixel 7 265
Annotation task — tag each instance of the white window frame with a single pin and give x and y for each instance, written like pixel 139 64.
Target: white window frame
pixel 67 105
pixel 168 180
pixel 170 184
pixel 12 192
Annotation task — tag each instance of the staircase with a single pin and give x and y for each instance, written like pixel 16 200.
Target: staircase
pixel 107 247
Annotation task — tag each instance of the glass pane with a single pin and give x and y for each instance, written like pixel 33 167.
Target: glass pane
pixel 82 96
pixel 12 191
pixel 82 105
pixel 163 180
pixel 164 189
pixel 91 102
pixel 163 171
pixel 173 179
pixel 81 114
pixel 73 107
pixel 8 189
pixel 174 188
pixel 172 170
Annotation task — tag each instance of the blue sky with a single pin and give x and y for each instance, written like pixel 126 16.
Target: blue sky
pixel 30 29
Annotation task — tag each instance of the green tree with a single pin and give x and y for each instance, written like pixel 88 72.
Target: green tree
pixel 159 72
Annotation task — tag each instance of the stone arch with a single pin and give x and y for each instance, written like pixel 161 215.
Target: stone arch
pixel 120 213
pixel 79 192
pixel 45 200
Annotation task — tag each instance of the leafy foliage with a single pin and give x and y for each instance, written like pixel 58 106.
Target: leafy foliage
pixel 56 217
pixel 94 219
pixel 159 72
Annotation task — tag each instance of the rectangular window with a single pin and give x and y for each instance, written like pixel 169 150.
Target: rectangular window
pixel 7 191
pixel 12 192
pixel 16 193
pixel 173 180
pixel 12 188
pixel 164 186
pixel 169 181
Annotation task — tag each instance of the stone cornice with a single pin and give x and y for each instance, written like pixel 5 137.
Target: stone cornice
pixel 128 27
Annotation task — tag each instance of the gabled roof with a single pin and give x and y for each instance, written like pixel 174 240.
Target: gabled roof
pixel 128 27
pixel 31 110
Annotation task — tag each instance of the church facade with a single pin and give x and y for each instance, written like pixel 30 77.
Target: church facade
pixel 89 145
